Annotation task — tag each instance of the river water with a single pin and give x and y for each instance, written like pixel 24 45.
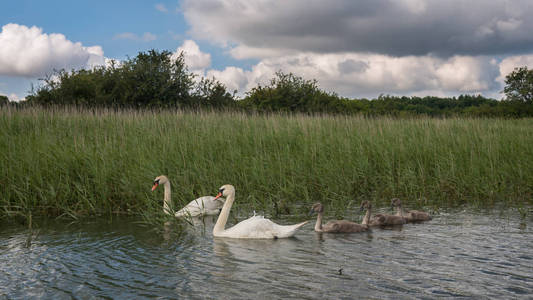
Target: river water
pixel 459 254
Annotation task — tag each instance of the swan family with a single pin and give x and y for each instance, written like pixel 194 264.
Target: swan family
pixel 258 227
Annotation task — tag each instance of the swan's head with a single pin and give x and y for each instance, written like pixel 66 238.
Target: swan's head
pixel 225 191
pixel 159 180
pixel 366 205
pixel 396 202
pixel 316 208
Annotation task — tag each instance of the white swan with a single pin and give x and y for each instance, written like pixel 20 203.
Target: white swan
pixel 256 227
pixel 207 205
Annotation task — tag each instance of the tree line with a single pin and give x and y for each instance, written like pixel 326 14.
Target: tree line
pixel 155 79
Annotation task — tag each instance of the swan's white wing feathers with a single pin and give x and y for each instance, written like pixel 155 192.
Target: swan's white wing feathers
pixel 257 227
pixel 206 205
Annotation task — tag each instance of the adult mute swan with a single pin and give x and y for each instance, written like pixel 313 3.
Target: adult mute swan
pixel 207 205
pixel 337 226
pixel 256 227
pixel 409 216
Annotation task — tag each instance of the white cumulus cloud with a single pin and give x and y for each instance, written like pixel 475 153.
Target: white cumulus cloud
pixel 15 98
pixel 368 75
pixel 235 79
pixel 366 48
pixel 195 59
pixel 27 51
pixel 510 63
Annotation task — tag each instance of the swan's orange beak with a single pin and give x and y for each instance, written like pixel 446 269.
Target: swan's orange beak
pixel 218 196
pixel 155 186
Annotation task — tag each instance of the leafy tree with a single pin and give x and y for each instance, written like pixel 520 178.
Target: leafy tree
pixel 156 79
pixel 288 92
pixel 4 100
pixel 151 79
pixel 519 85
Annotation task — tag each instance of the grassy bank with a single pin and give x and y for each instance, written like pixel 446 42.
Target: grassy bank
pixel 74 163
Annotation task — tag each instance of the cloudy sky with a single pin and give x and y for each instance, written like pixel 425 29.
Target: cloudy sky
pixel 356 48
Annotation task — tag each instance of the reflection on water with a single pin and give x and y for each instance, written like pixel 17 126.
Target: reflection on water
pixel 459 254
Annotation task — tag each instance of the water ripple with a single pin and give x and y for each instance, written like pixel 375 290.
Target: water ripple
pixel 458 255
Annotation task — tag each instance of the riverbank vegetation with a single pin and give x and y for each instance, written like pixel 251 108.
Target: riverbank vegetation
pixel 154 80
pixel 79 162
pixel 89 142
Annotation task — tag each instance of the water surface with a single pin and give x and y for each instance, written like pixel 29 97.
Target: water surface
pixel 459 254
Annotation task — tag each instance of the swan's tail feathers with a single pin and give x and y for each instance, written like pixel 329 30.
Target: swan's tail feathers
pixel 301 224
pixel 181 213
pixel 291 229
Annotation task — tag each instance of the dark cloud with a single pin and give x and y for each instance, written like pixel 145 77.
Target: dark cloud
pixel 351 66
pixel 396 28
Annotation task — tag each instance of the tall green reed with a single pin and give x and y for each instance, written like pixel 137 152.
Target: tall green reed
pixel 69 162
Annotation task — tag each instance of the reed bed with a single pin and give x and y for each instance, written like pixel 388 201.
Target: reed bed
pixel 70 162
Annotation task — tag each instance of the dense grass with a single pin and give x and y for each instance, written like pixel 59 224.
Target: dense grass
pixel 75 163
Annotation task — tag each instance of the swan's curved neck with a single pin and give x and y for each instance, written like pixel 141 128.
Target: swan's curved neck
pixel 318 224
pixel 399 211
pixel 366 218
pixel 224 214
pixel 167 203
